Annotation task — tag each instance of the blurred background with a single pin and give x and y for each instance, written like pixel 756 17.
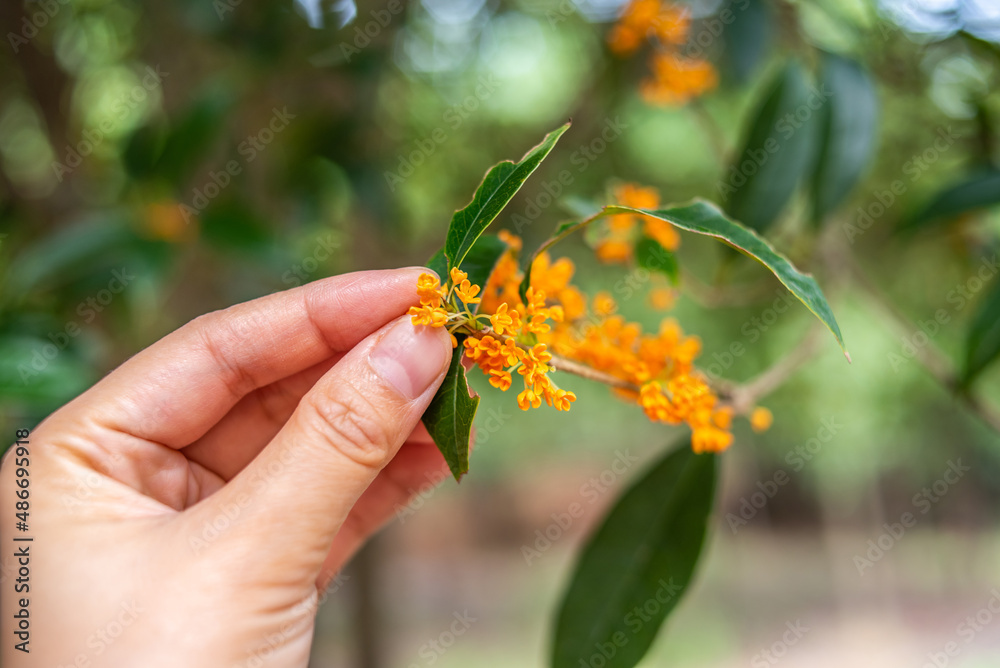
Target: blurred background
pixel 161 160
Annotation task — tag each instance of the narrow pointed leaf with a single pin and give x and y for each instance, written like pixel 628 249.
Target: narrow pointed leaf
pixel 633 571
pixel 847 134
pixel 704 218
pixel 498 187
pixel 748 37
pixel 974 192
pixel 982 343
pixel 778 150
pixel 449 417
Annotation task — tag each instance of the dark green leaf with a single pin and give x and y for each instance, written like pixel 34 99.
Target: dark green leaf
pixel 704 218
pixel 439 263
pixel 481 260
pixel 234 226
pixel 633 571
pixel 449 416
pixel 778 150
pixel 498 187
pixel 976 191
pixel 848 132
pixel 982 342
pixel 651 255
pixel 747 36
pixel 193 135
pixel 71 252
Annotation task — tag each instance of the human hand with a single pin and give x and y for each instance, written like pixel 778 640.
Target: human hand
pixel 200 498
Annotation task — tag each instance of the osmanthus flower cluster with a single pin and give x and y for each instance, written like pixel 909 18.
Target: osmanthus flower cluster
pixel 675 79
pixel 521 320
pixel 555 327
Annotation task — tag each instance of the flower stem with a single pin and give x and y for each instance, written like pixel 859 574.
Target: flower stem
pixel 562 364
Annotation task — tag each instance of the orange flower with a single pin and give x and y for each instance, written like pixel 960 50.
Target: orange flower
pixel 661 299
pixel 573 303
pixel 761 419
pixel 676 80
pixel 710 439
pixel 612 251
pixel 500 379
pixel 505 321
pixel 526 333
pixel 603 304
pixel 467 292
pixel 431 316
pixel 429 290
pixel 663 232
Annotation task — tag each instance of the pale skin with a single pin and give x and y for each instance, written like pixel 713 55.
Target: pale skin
pixel 192 507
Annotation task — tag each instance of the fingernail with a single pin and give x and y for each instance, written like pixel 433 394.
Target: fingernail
pixel 411 358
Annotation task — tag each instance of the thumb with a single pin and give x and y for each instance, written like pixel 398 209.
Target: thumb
pixel 294 496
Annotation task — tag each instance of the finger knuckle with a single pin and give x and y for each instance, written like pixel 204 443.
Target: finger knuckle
pixel 352 426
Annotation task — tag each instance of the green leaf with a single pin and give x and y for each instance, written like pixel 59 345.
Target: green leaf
pixel 449 416
pixel 78 250
pixel 778 150
pixel 848 132
pixel 641 558
pixel 978 190
pixel 439 263
pixel 982 342
pixel 704 218
pixel 483 257
pixel 498 187
pixel 747 37
pixel 478 264
pixel 651 255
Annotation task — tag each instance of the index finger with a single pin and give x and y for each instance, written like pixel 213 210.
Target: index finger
pixel 175 390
